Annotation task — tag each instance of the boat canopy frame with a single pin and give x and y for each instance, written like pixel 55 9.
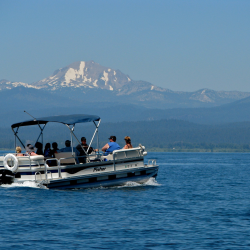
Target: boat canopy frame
pixel 68 120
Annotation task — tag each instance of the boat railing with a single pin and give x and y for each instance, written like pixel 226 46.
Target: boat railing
pixel 151 162
pixel 126 154
pixel 40 174
pixel 58 166
pixel 36 173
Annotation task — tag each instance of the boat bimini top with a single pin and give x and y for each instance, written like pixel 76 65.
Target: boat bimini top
pixel 68 120
pixel 65 119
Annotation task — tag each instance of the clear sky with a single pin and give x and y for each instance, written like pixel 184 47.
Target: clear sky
pixel 182 45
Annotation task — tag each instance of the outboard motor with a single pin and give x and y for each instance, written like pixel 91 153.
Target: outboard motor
pixel 6 177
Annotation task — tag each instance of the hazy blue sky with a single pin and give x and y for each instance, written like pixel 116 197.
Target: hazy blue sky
pixel 181 45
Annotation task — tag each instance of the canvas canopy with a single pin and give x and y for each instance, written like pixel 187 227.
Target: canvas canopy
pixel 64 119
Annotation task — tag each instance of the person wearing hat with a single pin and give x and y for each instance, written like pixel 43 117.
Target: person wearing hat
pixel 30 150
pixel 67 147
pixel 111 145
pixel 82 153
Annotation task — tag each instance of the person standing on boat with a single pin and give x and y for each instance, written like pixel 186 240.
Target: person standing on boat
pixel 82 153
pixel 111 145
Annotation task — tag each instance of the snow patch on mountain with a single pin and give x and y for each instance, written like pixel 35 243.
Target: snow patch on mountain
pixel 95 83
pixel 105 77
pixel 73 74
pixel 4 84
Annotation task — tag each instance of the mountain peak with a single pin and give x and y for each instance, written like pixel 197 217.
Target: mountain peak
pixel 82 75
pixel 105 83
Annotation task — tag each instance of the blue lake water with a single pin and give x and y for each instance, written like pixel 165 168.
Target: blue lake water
pixel 198 201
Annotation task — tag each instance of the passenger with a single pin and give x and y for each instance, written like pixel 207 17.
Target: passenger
pixel 80 152
pixel 30 150
pixel 111 146
pixel 18 151
pixel 128 143
pixel 54 149
pixel 47 151
pixel 67 147
pixel 39 147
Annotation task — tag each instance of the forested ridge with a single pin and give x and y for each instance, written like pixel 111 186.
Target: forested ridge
pixel 168 135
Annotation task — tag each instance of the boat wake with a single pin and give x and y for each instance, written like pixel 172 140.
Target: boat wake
pixel 130 184
pixel 29 184
pixel 151 182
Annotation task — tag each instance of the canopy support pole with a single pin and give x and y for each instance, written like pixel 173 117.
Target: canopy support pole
pixel 71 139
pixel 41 133
pixel 72 133
pixel 16 136
pixel 96 131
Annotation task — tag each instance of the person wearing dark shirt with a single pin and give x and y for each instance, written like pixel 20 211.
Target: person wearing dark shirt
pixel 39 147
pixel 54 149
pixel 47 151
pixel 82 153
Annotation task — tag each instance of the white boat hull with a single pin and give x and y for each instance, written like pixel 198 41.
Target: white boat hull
pixel 93 174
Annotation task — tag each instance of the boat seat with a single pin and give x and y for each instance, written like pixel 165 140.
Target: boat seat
pixel 107 157
pixel 66 157
pixel 35 160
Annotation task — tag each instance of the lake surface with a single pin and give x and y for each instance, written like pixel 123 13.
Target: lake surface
pixel 198 201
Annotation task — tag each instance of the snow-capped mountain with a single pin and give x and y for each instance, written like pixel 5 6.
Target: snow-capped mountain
pixel 99 83
pixel 91 75
pixel 85 75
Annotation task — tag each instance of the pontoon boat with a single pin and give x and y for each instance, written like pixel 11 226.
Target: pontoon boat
pixel 114 169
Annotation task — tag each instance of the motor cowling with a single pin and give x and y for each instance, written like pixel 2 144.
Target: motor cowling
pixel 6 177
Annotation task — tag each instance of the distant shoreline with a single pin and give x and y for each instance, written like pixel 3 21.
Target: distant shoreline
pixel 199 150
pixel 179 150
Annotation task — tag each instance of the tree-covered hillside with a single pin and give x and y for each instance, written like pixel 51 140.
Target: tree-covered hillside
pixel 158 135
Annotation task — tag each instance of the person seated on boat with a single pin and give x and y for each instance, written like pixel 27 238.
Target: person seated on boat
pixel 18 151
pixel 82 153
pixel 55 149
pixel 67 147
pixel 111 146
pixel 30 150
pixel 47 151
pixel 39 147
pixel 128 143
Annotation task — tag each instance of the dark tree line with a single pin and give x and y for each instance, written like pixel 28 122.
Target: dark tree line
pixel 165 134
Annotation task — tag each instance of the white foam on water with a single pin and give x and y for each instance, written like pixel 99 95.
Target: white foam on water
pixel 30 184
pixel 151 182
pixel 130 184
